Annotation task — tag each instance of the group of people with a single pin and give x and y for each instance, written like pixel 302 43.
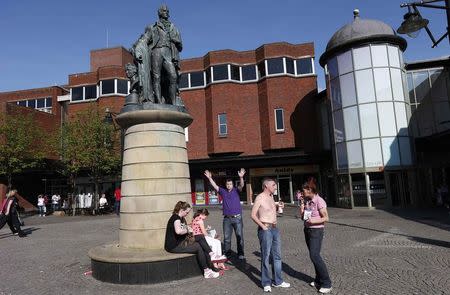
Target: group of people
pixel 184 238
pixel 9 214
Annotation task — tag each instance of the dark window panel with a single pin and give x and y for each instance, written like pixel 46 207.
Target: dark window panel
pixel 410 88
pixel 290 66
pixel 90 92
pixel 40 103
pixel 220 72
pixel 332 68
pixel 31 103
pixel 22 103
pixel 48 102
pixel 279 119
pixel 77 93
pixel 122 86
pixel 184 81
pixel 248 73
pixel 422 85
pixel 235 73
pixel 304 66
pixel 275 66
pixel 197 79
pixel 108 86
pixel 262 69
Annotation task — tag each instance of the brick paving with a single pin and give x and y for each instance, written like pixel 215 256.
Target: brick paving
pixel 367 252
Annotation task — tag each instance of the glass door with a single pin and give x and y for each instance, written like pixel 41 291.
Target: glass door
pixel 284 190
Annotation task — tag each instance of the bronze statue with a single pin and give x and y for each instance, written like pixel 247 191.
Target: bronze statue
pixel 156 56
pixel 165 47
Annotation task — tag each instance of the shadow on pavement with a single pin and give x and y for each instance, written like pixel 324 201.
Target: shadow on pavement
pixel 412 238
pixel 291 272
pixel 249 270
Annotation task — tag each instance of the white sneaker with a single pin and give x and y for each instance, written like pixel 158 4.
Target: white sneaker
pixel 325 290
pixel 210 274
pixel 267 289
pixel 282 285
pixel 312 284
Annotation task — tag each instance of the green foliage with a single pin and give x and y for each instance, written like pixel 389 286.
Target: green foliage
pixel 23 144
pixel 89 143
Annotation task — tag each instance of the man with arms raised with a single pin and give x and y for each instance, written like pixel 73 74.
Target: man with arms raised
pixel 264 214
pixel 232 212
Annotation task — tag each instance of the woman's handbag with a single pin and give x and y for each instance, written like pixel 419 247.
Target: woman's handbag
pixel 188 240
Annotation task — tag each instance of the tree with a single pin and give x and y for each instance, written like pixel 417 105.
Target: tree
pixel 89 143
pixel 22 144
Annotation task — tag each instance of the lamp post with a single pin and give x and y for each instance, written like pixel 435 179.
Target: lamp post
pixel 414 22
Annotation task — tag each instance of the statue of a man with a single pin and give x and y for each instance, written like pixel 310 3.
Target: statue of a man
pixel 165 45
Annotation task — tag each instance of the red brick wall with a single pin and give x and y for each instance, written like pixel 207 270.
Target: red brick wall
pixel 250 107
pixel 117 56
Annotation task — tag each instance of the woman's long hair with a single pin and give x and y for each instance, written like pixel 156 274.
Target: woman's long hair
pixel 201 211
pixel 180 205
pixel 310 184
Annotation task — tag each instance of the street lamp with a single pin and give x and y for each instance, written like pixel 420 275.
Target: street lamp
pixel 413 21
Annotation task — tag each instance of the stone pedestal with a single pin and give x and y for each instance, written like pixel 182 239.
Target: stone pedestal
pixel 155 176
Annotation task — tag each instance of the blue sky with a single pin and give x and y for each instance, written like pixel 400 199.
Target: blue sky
pixel 42 42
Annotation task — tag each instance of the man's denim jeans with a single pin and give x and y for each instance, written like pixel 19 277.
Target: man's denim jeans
pixel 313 238
pixel 230 223
pixel 270 243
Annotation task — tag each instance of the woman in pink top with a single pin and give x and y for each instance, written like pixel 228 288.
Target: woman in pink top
pixel 200 234
pixel 313 211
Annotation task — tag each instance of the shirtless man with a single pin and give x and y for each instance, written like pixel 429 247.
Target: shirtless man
pixel 265 216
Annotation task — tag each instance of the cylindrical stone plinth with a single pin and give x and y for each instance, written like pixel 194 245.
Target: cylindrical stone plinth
pixel 155 176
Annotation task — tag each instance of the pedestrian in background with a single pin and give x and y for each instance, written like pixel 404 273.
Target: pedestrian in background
pixel 117 196
pixel 313 210
pixel 41 205
pixel 12 216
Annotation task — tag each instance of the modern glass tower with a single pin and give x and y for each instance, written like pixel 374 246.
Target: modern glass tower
pixel 366 86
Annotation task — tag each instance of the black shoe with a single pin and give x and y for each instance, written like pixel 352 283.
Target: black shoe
pixel 22 234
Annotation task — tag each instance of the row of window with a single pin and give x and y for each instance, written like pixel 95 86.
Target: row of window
pixel 40 104
pixel 223 125
pixel 106 87
pixel 247 73
pixel 425 84
pixel 371 56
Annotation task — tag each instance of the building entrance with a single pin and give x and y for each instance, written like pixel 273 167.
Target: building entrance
pixel 285 193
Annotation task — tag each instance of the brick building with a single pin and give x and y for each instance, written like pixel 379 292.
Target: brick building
pixel 254 109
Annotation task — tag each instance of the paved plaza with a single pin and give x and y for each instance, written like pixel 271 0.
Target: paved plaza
pixel 367 252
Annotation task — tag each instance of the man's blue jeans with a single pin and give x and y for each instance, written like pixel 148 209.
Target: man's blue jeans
pixel 313 238
pixel 230 223
pixel 270 243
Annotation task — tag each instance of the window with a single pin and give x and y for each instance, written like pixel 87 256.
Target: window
pixel 304 66
pixel 107 86
pixel 262 69
pixel 197 79
pixel 22 103
pixel 122 86
pixel 421 84
pixel 40 103
pixel 248 73
pixel 235 73
pixel 90 92
pixel 186 134
pixel 184 81
pixel 222 118
pixel 290 66
pixel 77 93
pixel 361 57
pixel 220 72
pixel 345 62
pixel 279 120
pixel 275 66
